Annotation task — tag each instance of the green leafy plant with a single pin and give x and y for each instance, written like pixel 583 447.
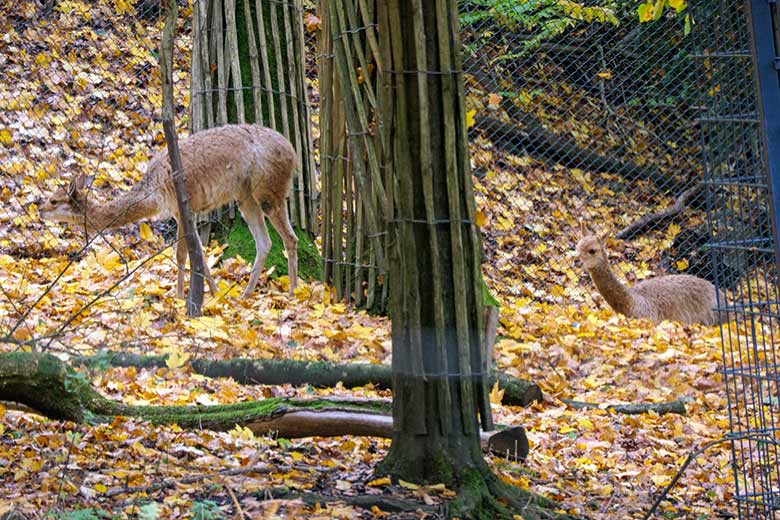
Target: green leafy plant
pixel 544 18
pixel 206 510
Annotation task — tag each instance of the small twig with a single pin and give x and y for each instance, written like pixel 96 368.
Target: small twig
pixel 261 468
pixel 385 503
pixel 236 503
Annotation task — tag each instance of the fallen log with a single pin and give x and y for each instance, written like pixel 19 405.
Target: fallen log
pixel 661 218
pixel 49 386
pixel 517 392
pixel 632 409
pixel 531 138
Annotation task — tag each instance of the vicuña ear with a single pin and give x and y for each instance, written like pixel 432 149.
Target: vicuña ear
pixel 583 230
pixel 77 184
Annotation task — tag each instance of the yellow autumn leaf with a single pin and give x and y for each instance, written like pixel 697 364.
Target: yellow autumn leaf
pixel 228 290
pixel 470 118
pixel 384 481
pixel 605 74
pixel 5 136
pixel 677 5
pixel 480 219
pixel 407 485
pixel 124 6
pixel 496 395
pixel 108 260
pixel 658 9
pixel 682 265
pixel 239 432
pixel 302 293
pixel 672 231
pixel 177 359
pixel 645 12
pixel 101 488
pixel 145 231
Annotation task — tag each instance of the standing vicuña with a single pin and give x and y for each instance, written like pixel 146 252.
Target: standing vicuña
pixel 679 297
pixel 249 164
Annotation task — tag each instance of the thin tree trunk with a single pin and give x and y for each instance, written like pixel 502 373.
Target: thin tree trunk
pixel 195 296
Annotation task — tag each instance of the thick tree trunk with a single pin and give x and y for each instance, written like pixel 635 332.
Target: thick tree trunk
pixel 45 384
pixel 440 384
pixel 517 392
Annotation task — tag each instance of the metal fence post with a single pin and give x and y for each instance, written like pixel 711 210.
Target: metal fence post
pixel 764 25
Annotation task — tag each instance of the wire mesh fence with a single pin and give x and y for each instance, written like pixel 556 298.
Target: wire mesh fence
pixel 577 114
pixel 742 242
pixel 595 113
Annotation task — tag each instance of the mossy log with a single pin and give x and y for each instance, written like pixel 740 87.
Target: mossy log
pixel 517 392
pixel 677 406
pixel 49 386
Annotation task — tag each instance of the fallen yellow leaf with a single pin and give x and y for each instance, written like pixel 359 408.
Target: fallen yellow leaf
pixel 470 118
pixel 145 231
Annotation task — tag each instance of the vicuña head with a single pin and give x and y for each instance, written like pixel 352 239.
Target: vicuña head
pixel 680 297
pixel 67 204
pixel 590 249
pixel 248 164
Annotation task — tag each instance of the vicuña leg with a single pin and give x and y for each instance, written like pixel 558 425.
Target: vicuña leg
pixel 206 271
pixel 255 220
pixel 181 263
pixel 181 260
pixel 281 222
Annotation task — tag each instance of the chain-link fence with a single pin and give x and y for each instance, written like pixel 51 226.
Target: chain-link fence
pixel 577 114
pixel 594 114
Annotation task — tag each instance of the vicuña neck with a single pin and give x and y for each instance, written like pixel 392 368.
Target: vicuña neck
pixel 612 289
pixel 131 207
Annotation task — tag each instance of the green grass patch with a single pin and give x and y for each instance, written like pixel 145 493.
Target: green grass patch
pixel 240 242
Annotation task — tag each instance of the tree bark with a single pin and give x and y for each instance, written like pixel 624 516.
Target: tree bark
pixel 440 385
pixel 45 384
pixel 517 392
pixel 195 296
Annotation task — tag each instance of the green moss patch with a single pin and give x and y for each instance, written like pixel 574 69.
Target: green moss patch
pixel 240 242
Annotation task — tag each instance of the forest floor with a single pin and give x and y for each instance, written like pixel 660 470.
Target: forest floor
pixel 74 97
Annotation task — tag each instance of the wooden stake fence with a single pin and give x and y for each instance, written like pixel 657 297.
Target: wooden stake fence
pixel 354 241
pixel 248 66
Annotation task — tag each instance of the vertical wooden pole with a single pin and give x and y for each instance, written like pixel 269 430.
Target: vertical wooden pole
pixel 195 297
